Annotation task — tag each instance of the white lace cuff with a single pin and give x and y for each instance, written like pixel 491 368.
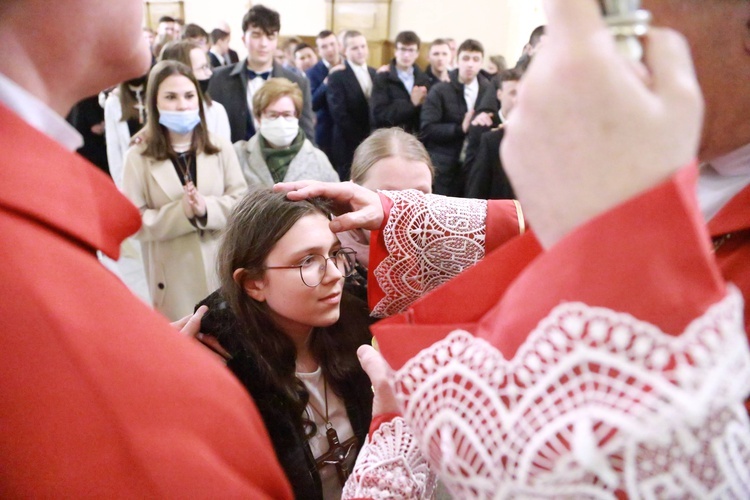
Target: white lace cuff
pixel 430 239
pixel 594 403
pixel 390 466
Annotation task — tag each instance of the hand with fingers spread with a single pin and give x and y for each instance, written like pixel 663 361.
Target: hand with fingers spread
pixel 483 119
pixel 590 130
pixel 190 327
pixel 360 208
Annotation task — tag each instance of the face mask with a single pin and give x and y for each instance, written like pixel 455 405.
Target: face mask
pixel 180 122
pixel 204 85
pixel 279 131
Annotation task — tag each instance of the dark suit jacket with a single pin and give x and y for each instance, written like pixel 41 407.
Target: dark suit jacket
pixel 442 115
pixel 324 122
pixel 233 57
pixel 215 63
pixel 228 86
pixel 351 117
pixel 486 178
pixel 391 103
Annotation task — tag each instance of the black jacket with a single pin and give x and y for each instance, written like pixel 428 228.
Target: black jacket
pixel 486 179
pixel 391 103
pixel 228 86
pixel 350 111
pixel 323 121
pixel 442 115
pixel 288 441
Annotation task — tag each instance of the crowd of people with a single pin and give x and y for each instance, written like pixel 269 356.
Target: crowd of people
pixel 602 353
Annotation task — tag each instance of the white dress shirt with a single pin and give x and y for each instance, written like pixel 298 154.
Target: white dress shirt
pixel 471 91
pixel 722 179
pixel 363 77
pixel 38 114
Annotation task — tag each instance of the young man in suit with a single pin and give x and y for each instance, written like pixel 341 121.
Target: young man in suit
pixel 348 98
pixel 330 62
pixel 485 176
pixel 234 86
pixel 398 94
pixel 218 53
pixel 447 114
pixel 232 57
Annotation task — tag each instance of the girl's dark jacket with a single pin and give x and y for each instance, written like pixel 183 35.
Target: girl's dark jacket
pixel 289 442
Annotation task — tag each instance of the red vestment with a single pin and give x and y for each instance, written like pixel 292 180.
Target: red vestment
pixel 100 397
pixel 614 363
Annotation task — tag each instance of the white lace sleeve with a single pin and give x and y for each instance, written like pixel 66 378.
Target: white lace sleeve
pixel 594 404
pixel 430 239
pixel 390 466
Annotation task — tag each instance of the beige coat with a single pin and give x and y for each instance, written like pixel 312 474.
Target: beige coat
pixel 309 164
pixel 180 258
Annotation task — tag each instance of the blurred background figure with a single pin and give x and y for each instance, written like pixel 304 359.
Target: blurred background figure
pixel 281 151
pixel 304 57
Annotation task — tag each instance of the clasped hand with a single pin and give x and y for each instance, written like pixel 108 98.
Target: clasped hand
pixel 193 203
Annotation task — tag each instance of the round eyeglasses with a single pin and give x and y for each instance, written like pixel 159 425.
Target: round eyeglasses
pixel 313 268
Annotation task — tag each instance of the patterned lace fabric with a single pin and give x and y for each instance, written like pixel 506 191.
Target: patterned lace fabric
pixel 430 239
pixel 594 403
pixel 390 466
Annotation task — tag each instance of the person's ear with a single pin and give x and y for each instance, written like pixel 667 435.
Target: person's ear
pixel 255 288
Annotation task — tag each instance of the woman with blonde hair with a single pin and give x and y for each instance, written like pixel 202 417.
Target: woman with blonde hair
pixel 392 160
pixel 185 181
pixel 280 152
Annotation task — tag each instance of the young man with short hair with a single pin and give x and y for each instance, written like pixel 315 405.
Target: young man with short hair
pixel 447 114
pixel 330 62
pixel 218 53
pixel 234 86
pixel 197 35
pixel 440 60
pixel 485 176
pixel 398 94
pixel 348 97
pixel 304 57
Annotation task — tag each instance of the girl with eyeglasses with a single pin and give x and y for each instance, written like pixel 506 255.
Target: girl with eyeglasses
pixel 292 334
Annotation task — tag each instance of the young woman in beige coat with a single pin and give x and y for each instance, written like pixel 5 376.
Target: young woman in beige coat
pixel 185 182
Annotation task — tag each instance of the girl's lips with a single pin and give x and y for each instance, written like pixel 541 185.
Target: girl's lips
pixel 333 298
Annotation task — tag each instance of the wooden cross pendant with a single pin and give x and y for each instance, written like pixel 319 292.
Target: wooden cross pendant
pixel 337 453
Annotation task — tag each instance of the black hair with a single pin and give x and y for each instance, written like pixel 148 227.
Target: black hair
pixel 260 16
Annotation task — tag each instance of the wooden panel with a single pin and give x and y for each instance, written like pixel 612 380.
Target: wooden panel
pixel 154 10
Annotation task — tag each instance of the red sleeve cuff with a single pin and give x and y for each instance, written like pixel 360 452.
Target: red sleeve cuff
pixel 649 257
pixel 381 419
pixel 378 252
pixel 504 222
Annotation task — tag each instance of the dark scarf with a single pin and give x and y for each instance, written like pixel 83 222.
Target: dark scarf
pixel 278 160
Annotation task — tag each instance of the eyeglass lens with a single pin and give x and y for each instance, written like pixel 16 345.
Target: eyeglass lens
pixel 314 269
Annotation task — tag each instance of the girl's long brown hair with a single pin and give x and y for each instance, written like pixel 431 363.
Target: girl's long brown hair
pixel 155 135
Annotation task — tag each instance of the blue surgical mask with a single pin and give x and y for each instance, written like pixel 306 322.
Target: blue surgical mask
pixel 180 122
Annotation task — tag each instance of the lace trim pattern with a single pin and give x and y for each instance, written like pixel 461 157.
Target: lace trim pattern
pixel 594 403
pixel 390 466
pixel 430 239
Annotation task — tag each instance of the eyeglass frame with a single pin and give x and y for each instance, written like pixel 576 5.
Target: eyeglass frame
pixel 349 253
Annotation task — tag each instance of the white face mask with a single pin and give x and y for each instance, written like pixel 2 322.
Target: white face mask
pixel 279 131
